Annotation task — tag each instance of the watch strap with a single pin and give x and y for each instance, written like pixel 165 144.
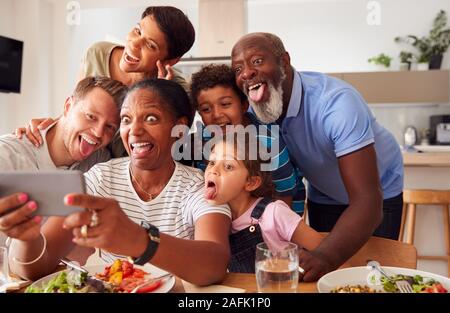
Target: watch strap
pixel 152 246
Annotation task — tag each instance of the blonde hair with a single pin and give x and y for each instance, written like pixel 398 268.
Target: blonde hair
pixel 114 88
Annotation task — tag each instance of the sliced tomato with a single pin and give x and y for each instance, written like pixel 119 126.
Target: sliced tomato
pixel 106 271
pixel 127 268
pixel 440 288
pixel 129 283
pixel 138 273
pixel 149 288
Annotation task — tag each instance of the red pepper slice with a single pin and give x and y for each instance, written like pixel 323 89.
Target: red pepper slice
pixel 151 287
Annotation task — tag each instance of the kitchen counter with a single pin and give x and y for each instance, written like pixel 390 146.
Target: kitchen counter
pixel 427 159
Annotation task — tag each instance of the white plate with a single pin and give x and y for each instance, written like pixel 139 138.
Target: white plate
pixel 359 275
pixel 166 286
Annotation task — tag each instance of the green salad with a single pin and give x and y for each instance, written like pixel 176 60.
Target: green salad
pixel 418 283
pixel 69 282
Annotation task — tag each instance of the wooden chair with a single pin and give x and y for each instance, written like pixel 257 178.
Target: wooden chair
pixel 411 199
pixel 387 252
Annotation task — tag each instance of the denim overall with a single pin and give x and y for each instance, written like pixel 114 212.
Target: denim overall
pixel 243 243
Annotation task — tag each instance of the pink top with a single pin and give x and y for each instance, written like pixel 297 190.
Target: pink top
pixel 278 223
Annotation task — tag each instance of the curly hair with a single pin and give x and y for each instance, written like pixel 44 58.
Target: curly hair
pixel 213 75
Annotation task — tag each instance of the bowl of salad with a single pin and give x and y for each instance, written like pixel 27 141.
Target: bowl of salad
pixel 363 279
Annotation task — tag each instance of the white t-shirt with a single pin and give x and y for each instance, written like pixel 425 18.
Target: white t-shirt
pixel 278 223
pixel 20 154
pixel 174 211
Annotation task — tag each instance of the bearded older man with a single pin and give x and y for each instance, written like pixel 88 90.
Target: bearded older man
pixel 353 165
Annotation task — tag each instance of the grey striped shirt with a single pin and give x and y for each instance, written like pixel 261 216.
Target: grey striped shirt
pixel 174 211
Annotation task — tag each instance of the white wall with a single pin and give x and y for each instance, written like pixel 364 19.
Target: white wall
pixel 28 20
pixel 334 36
pixel 321 35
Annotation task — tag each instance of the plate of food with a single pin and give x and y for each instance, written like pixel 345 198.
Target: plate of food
pixel 364 279
pixel 119 277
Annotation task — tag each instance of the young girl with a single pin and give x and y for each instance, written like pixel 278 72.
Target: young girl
pixel 233 177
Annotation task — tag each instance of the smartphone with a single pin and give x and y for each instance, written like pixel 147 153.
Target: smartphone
pixel 47 188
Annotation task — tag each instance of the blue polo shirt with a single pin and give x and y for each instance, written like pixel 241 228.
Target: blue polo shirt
pixel 326 119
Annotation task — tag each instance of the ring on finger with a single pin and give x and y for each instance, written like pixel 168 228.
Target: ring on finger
pixel 3 228
pixel 84 231
pixel 94 219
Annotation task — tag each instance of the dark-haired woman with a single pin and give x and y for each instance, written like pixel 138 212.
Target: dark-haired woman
pixel 133 199
pixel 163 35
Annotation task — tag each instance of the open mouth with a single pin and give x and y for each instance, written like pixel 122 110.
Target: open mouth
pixel 256 91
pixel 87 145
pixel 141 147
pixel 131 59
pixel 211 190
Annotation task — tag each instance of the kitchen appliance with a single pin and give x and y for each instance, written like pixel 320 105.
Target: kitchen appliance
pixel 440 129
pixel 410 136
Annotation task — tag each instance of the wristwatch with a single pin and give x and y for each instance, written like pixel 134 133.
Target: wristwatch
pixel 153 243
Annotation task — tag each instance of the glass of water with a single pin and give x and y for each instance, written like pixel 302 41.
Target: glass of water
pixel 4 269
pixel 276 271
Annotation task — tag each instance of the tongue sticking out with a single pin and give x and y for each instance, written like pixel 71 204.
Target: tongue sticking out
pixel 85 148
pixel 210 192
pixel 257 94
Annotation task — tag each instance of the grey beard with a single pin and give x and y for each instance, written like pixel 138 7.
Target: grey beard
pixel 270 111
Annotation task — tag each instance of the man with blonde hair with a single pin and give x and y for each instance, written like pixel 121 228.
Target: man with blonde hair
pixel 74 142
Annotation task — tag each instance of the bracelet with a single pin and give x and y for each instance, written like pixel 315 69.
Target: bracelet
pixel 38 258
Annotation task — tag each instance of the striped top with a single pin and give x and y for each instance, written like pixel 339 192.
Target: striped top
pixel 174 211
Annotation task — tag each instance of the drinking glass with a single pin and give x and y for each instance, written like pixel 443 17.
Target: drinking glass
pixel 276 271
pixel 4 269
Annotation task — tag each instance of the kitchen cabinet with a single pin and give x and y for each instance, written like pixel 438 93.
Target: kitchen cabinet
pixel 400 86
pixel 221 24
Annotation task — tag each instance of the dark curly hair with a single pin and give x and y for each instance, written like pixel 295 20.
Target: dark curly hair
pixel 213 75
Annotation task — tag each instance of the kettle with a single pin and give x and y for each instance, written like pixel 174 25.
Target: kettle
pixel 410 136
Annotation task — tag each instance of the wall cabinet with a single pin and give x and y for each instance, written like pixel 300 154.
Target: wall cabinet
pixel 400 87
pixel 221 24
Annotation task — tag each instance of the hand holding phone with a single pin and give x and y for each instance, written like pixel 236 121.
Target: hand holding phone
pixel 46 188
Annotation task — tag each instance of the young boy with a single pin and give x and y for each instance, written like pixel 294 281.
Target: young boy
pixel 220 102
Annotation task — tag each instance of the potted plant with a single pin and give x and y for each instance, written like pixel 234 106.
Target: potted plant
pixel 423 62
pixel 432 47
pixel 382 60
pixel 405 60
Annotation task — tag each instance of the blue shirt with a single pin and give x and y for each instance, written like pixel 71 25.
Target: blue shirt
pixel 326 119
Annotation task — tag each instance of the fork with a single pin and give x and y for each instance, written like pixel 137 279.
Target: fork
pixel 149 281
pixel 403 285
